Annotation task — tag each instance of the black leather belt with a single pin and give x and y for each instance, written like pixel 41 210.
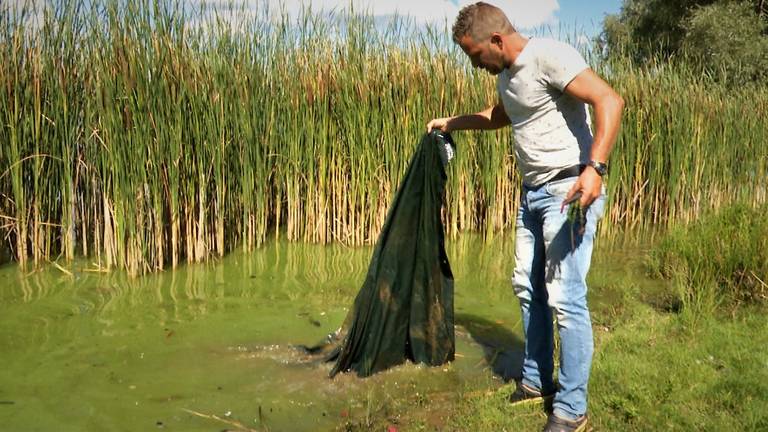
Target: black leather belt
pixel 571 171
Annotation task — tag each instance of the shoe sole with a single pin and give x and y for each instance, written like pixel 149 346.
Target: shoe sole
pixel 533 400
pixel 583 427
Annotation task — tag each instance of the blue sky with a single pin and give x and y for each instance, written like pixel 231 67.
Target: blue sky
pixel 586 14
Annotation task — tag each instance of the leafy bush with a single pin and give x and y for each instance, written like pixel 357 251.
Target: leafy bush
pixel 728 39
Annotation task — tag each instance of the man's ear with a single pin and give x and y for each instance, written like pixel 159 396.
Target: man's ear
pixel 496 40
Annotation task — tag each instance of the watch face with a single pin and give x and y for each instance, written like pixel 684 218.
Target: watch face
pixel 601 168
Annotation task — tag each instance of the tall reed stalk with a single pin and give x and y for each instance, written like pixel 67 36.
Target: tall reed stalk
pixel 142 134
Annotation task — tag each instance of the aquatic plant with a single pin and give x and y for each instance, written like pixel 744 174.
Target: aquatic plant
pixel 142 134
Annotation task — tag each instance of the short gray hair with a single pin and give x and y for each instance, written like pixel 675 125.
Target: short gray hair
pixel 479 21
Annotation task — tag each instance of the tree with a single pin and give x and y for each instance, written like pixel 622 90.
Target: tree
pixel 727 38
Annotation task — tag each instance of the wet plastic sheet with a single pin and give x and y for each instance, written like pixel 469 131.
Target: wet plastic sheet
pixel 404 309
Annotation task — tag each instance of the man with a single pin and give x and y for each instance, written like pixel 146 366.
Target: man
pixel 544 86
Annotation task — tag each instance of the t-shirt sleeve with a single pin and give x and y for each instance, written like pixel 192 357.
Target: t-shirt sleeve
pixel 560 63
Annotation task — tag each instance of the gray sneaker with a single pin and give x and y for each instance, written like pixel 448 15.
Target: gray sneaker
pixel 557 424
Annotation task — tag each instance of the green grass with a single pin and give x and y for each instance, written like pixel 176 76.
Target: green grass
pixel 649 375
pixel 718 262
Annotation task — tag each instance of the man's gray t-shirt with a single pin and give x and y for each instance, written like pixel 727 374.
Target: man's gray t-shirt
pixel 552 129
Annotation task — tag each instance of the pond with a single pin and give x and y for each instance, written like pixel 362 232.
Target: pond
pixel 209 347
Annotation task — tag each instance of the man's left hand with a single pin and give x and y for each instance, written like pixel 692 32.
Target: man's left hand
pixel 590 184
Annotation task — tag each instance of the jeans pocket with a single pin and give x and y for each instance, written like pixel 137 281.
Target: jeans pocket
pixel 560 188
pixel 598 206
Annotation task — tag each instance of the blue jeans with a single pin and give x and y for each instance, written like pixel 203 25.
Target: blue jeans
pixel 552 257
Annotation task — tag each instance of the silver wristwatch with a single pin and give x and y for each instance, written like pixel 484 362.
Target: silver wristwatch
pixel 601 168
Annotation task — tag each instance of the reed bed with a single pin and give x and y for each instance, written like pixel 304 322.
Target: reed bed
pixel 687 146
pixel 141 134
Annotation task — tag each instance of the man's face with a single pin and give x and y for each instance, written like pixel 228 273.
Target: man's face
pixel 483 54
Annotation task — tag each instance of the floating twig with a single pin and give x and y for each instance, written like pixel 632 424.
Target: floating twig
pixel 234 423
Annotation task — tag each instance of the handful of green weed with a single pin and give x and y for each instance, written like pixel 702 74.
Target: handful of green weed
pixel 577 220
pixel 576 214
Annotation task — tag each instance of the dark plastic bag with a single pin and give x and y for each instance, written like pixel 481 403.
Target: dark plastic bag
pixel 404 309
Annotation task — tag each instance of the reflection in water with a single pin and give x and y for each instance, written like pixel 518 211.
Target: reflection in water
pixel 312 275
pixel 316 280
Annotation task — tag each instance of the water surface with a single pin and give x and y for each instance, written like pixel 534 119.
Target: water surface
pixel 94 351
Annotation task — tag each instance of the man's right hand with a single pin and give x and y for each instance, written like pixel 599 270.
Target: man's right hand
pixel 492 117
pixel 439 123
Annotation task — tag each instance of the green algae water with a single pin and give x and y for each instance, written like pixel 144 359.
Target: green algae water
pixel 208 347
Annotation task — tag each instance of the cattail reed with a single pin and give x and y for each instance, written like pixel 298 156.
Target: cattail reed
pixel 142 134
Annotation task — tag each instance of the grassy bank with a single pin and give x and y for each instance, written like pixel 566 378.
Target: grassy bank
pixel 649 374
pixel 143 135
pixel 717 264
pixel 652 370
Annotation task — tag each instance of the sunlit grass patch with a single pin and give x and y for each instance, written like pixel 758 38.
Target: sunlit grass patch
pixel 721 259
pixel 651 372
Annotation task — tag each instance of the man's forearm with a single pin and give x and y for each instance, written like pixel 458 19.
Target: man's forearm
pixel 607 123
pixel 491 118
